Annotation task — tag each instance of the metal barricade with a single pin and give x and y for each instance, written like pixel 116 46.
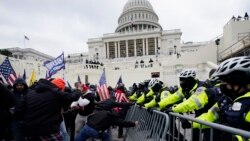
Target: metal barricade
pixel 177 133
pixel 153 125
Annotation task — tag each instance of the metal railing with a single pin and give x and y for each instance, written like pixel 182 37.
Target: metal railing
pixel 158 126
pixel 239 45
pixel 153 125
pixel 199 134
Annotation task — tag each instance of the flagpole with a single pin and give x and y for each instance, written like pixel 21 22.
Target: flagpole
pixel 24 42
pixel 64 75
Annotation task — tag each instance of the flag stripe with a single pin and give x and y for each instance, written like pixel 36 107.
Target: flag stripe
pixel 8 72
pixel 102 87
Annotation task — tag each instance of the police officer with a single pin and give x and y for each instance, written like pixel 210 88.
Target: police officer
pixel 188 86
pixel 142 89
pixel 161 92
pixel 233 108
pixel 149 94
pixel 199 102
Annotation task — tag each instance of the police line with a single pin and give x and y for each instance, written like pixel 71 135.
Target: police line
pixel 156 125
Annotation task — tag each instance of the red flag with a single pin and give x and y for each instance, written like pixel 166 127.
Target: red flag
pixel 102 87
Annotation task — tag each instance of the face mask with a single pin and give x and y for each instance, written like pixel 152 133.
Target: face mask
pixel 187 84
pixel 228 92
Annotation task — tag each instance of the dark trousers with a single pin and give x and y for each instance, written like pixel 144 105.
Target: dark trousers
pixel 88 132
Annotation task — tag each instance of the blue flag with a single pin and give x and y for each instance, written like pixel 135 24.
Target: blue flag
pixel 79 79
pixel 24 75
pixel 119 81
pixel 55 65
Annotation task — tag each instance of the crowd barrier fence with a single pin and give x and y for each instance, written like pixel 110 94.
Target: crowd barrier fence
pixel 212 133
pixel 153 125
pixel 159 126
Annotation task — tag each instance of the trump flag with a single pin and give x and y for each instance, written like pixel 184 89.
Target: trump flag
pixel 55 65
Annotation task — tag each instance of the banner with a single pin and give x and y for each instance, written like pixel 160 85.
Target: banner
pixel 55 65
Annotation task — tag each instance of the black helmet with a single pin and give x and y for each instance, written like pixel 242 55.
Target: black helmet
pixel 92 88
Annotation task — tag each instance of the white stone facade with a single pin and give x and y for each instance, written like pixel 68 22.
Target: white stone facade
pixel 29 54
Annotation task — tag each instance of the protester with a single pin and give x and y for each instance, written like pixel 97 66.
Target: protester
pixel 85 106
pixel 41 109
pixel 20 89
pixel 6 102
pixel 101 120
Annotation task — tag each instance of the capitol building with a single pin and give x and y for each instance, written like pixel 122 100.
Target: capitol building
pixel 139 49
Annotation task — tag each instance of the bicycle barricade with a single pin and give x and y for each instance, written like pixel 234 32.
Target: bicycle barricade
pixel 153 125
pixel 213 132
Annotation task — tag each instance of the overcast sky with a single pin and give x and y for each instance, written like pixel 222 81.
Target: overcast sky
pixel 54 26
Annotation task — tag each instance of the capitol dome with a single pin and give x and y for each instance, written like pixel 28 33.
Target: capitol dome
pixel 138 15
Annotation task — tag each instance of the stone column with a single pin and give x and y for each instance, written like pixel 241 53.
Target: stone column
pixel 108 50
pixel 126 48
pixel 159 44
pixel 119 50
pixel 155 46
pixel 143 47
pixel 115 49
pixel 135 48
pixel 146 46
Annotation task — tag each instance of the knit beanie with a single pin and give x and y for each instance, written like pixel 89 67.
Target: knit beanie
pixel 59 83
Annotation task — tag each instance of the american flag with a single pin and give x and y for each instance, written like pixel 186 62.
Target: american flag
pixel 119 81
pixel 79 79
pixel 8 72
pixel 102 87
pixel 120 96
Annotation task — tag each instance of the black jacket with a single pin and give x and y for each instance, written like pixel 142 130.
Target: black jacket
pixel 102 120
pixel 19 95
pixel 111 103
pixel 41 109
pixel 6 102
pixel 88 109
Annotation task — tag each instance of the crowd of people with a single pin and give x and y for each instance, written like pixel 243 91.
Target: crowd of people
pixel 50 111
pixel 89 64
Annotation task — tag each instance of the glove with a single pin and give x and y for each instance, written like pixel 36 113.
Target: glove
pixel 140 106
pixel 150 110
pixel 158 98
pixel 168 110
pixel 185 124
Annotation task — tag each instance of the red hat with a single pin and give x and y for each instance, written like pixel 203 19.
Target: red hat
pixel 84 87
pixel 59 83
